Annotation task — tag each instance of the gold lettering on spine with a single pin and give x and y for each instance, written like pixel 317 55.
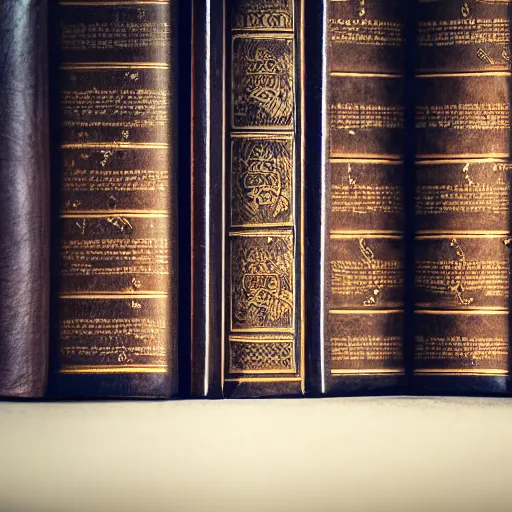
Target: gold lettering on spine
pixel 462 189
pixel 115 211
pixel 365 200
pixel 263 337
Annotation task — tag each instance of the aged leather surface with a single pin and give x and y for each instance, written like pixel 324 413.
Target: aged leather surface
pixel 206 198
pixel 24 199
pixel 462 210
pixel 247 323
pixel 116 81
pixel 357 195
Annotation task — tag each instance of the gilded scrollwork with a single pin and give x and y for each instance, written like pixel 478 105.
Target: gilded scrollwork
pixel 262 180
pixel 263 93
pixel 262 282
pixel 267 15
pixel 457 277
pixel 366 277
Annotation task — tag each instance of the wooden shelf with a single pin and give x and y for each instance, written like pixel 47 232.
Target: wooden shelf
pixel 382 454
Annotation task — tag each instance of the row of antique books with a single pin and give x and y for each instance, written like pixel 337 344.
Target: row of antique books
pixel 254 198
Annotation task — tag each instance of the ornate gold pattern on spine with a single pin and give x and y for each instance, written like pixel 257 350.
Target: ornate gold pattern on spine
pixel 264 213
pixel 364 257
pixel 116 306
pixel 462 189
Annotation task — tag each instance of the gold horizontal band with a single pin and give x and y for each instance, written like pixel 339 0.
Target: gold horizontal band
pixel 366 156
pixel 150 214
pixel 348 74
pixel 270 338
pixel 369 371
pixel 464 74
pixel 268 34
pixel 393 235
pixel 115 145
pixel 262 129
pixel 383 161
pixel 99 66
pixel 114 369
pixel 262 233
pixel 84 3
pixel 277 225
pixel 113 296
pixel 265 372
pixel 251 31
pixel 460 156
pixel 449 312
pixel 267 134
pixel 434 235
pixel 263 330
pixel 462 160
pixel 263 379
pixel 467 372
pixel 366 311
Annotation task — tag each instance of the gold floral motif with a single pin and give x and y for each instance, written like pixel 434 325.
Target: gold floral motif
pixel 262 282
pixel 456 282
pixel 263 94
pixel 261 181
pixel 371 263
pixel 263 14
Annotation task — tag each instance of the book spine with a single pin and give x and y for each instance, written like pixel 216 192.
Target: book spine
pixel 117 307
pixel 360 207
pixel 24 196
pixel 207 156
pixel 462 197
pixel 261 256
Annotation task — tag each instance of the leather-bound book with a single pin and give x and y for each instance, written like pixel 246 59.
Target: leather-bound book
pixel 462 198
pixel 117 306
pixel 355 181
pixel 24 199
pixel 247 199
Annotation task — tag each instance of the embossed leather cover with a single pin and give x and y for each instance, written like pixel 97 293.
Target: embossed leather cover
pixel 356 183
pixel 116 327
pixel 462 196
pixel 248 202
pixel 24 199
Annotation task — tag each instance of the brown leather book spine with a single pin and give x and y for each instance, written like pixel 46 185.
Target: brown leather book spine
pixel 360 206
pixel 207 230
pixel 258 321
pixel 117 307
pixel 462 212
pixel 24 198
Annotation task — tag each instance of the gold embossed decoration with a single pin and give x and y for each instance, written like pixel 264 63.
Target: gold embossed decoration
pixel 262 82
pixel 264 342
pixel 262 277
pixel 262 180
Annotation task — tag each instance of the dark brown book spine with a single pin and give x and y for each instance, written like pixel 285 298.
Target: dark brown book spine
pixel 117 307
pixel 462 198
pixel 24 199
pixel 359 207
pixel 257 323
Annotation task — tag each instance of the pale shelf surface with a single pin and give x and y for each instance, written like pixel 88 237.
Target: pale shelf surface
pixel 382 454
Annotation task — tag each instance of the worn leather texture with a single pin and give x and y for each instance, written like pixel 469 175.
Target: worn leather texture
pixel 247 165
pixel 355 176
pixel 115 87
pixel 462 207
pixel 24 200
